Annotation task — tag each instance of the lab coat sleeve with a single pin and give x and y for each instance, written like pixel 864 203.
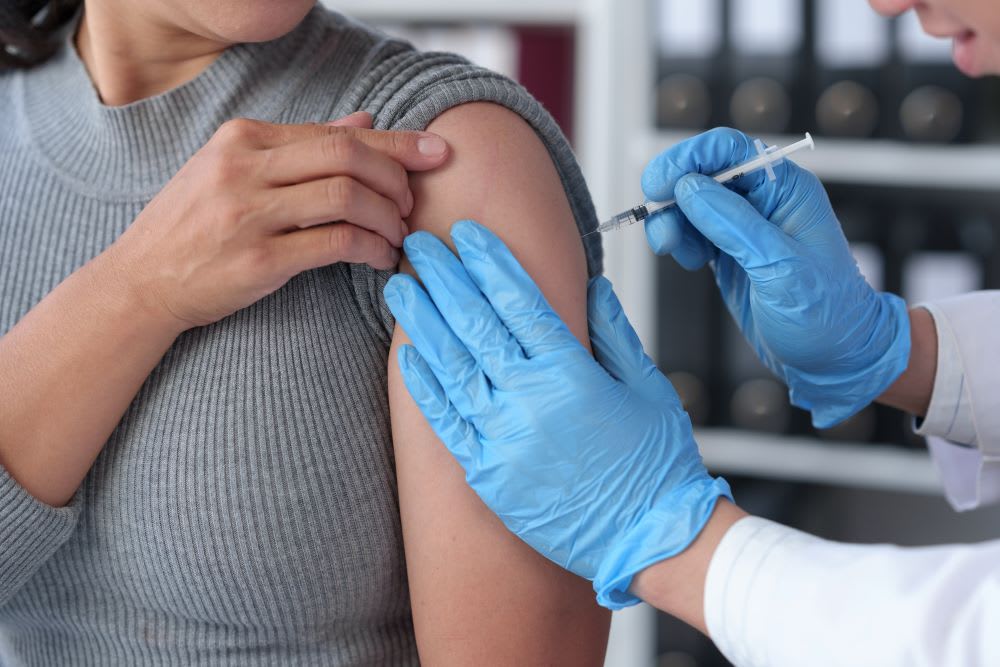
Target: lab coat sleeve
pixel 962 425
pixel 777 597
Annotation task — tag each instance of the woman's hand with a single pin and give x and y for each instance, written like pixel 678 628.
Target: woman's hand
pixel 260 203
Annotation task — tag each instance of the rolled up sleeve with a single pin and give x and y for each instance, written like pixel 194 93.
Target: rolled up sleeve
pixel 963 420
pixel 30 533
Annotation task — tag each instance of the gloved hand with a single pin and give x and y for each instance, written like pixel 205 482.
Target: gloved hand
pixel 592 463
pixel 785 272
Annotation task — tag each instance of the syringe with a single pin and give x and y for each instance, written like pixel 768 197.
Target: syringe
pixel 766 159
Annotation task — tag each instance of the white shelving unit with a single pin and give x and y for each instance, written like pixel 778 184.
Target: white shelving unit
pixel 843 160
pixel 798 459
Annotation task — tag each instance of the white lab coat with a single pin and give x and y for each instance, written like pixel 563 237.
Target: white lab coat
pixel 775 596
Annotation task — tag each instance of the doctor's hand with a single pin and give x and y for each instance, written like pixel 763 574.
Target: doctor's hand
pixel 592 463
pixel 785 271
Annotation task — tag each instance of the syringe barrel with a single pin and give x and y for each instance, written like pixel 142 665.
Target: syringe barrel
pixel 643 211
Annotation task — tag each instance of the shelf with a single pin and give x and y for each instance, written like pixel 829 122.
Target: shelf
pixel 801 459
pixel 452 11
pixel 874 162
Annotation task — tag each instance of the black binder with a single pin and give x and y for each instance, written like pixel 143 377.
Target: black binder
pixel 935 103
pixel 690 39
pixel 852 46
pixel 767 68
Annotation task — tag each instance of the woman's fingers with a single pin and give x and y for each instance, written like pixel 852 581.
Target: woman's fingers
pixel 282 155
pixel 323 245
pixel 339 154
pixel 337 199
pixel 416 151
pixel 260 203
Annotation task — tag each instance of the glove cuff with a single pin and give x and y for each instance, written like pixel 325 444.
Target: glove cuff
pixel 660 534
pixel 834 399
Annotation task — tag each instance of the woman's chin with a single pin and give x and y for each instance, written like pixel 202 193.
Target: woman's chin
pixel 256 21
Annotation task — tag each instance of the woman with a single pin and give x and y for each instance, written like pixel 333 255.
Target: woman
pixel 196 462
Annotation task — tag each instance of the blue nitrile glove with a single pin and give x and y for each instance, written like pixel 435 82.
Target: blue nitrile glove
pixel 592 463
pixel 785 272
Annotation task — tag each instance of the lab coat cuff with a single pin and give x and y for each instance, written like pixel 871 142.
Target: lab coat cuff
pixel 972 320
pixel 970 479
pixel 949 414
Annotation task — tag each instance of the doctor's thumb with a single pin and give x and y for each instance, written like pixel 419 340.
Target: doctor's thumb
pixel 457 434
pixel 664 232
pixel 615 343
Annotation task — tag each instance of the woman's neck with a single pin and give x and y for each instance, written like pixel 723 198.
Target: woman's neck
pixel 131 55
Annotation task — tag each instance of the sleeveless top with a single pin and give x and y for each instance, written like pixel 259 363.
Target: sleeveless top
pixel 244 511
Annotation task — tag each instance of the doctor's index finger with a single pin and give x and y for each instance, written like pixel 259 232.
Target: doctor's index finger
pixel 416 151
pixel 516 298
pixel 437 344
pixel 464 308
pixel 458 435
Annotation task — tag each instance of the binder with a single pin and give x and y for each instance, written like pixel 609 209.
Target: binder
pixel 690 39
pixel 547 68
pixel 941 266
pixel 979 233
pixel 687 311
pixel 934 100
pixel 852 48
pixel 766 43
pixel 757 401
pixel 864 236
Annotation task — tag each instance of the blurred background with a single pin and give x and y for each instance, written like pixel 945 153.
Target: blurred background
pixel 907 148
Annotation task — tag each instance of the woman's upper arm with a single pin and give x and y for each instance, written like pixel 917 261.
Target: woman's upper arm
pixel 479 594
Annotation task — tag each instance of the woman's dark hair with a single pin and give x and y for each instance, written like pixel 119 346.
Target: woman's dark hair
pixel 31 30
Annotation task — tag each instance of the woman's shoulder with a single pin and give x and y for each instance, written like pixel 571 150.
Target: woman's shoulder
pixel 408 89
pixel 404 88
pixel 359 66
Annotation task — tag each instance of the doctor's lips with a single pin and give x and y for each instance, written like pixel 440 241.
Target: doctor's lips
pixel 964 52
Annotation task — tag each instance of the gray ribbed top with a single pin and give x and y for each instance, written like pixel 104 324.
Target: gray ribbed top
pixel 244 511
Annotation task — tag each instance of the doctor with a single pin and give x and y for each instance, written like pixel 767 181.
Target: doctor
pixel 592 460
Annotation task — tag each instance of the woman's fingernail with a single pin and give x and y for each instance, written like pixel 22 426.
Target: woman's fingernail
pixel 409 202
pixel 406 229
pixel 431 145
